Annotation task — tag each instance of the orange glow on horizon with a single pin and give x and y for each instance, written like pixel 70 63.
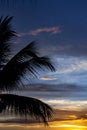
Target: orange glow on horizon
pixel 73 116
pixel 61 125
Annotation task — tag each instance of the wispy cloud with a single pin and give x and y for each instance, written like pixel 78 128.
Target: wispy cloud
pixel 66 104
pixel 47 78
pixel 52 30
pixel 22 34
pixel 70 64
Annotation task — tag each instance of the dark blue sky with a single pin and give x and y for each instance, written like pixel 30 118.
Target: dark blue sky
pixel 70 16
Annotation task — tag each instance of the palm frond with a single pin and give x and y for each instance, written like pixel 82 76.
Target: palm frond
pixel 25 106
pixel 6 33
pixel 27 52
pixel 41 62
pixel 27 60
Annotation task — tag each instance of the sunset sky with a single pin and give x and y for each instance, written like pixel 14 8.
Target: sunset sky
pixel 60 29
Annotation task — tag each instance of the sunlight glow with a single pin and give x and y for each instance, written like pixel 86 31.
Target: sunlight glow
pixel 73 116
pixel 62 125
pixel 72 126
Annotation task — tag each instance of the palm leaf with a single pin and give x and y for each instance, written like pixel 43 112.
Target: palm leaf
pixel 6 33
pixel 25 106
pixel 27 52
pixel 27 60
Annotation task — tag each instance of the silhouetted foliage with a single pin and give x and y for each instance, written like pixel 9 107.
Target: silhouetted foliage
pixel 12 69
pixel 20 105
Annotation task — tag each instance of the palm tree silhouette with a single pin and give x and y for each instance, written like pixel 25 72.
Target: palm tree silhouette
pixel 13 69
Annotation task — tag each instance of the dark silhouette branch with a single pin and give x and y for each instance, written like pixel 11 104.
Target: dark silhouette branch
pixel 25 106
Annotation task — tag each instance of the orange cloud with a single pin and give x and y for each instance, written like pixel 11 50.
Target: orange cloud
pixel 52 30
pixel 46 78
pixel 73 116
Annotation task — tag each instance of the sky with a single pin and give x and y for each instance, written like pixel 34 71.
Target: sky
pixel 60 29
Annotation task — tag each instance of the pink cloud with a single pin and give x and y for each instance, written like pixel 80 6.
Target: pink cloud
pixel 52 30
pixel 22 34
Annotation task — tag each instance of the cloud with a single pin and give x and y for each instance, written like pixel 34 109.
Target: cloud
pixel 63 47
pixel 70 114
pixel 62 88
pixel 62 96
pixel 47 78
pixel 59 96
pixel 69 70
pixel 71 64
pixel 52 30
pixel 66 104
pixel 22 34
